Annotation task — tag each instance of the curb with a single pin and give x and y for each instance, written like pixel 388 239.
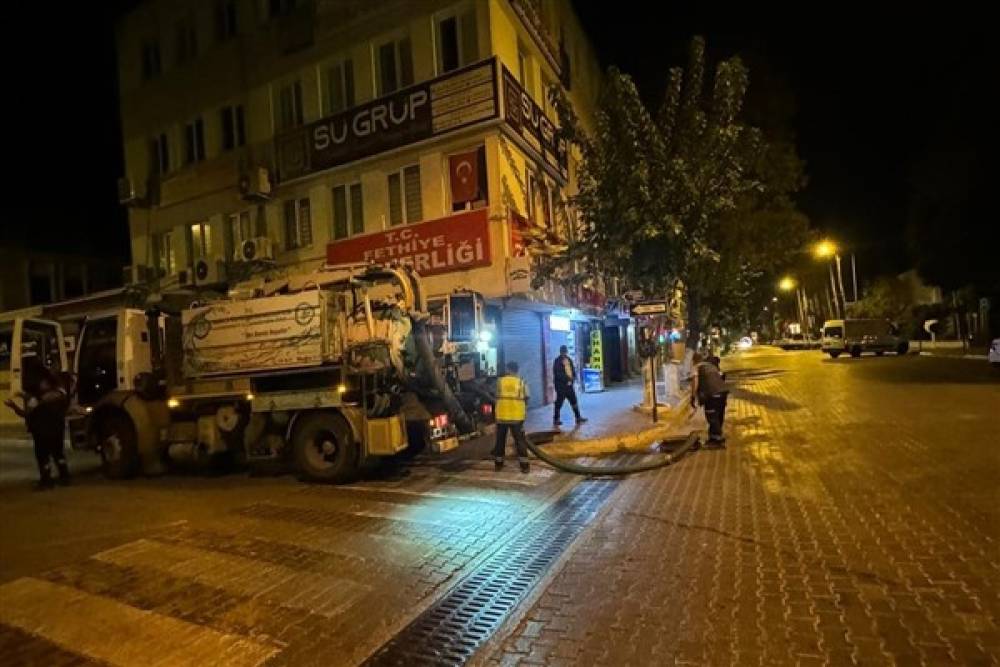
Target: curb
pixel 638 441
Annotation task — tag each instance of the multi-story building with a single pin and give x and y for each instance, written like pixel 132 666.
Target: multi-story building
pixel 293 134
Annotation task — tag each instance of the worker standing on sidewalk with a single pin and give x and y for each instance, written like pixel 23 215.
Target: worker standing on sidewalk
pixel 512 399
pixel 708 388
pixel 563 377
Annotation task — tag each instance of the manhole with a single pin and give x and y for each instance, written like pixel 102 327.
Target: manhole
pixel 451 631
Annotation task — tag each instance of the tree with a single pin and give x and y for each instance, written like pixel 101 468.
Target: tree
pixel 691 199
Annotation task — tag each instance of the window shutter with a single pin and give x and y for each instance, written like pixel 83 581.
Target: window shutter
pixel 414 204
pixel 470 38
pixel 348 84
pixel 291 238
pixel 305 224
pixel 357 210
pixel 228 138
pixel 395 203
pixel 339 213
pixel 405 62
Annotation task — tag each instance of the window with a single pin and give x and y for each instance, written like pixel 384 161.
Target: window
pixel 298 224
pixel 457 43
pixel 394 65
pixel 199 241
pixel 289 106
pixel 225 19
pixel 339 86
pixel 405 203
pixel 151 67
pixel 163 254
pixel 348 211
pixel 186 40
pixel 233 127
pixel 159 154
pixel 194 141
pixel 539 202
pixel 237 230
pixel 39 349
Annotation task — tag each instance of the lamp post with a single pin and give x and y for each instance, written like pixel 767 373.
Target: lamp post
pixel 827 249
pixel 789 284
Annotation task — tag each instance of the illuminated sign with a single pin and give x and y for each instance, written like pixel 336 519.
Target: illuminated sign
pixel 559 323
pixel 531 124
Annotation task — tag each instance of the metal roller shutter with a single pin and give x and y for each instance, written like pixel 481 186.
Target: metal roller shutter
pixel 522 342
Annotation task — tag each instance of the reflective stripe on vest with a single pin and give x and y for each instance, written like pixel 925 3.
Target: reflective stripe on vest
pixel 510 399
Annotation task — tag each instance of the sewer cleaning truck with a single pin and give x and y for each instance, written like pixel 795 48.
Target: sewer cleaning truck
pixel 324 371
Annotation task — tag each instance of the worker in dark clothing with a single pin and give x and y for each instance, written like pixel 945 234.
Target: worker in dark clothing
pixel 563 377
pixel 512 399
pixel 44 413
pixel 710 390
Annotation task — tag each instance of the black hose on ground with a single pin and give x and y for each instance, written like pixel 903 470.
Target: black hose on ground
pixel 688 443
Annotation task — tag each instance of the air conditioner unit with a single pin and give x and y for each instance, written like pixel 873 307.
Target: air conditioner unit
pixel 127 192
pixel 255 184
pixel 255 249
pixel 209 272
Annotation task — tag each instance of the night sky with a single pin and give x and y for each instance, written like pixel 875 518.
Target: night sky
pixel 867 92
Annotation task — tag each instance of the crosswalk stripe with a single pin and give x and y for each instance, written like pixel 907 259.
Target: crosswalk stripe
pixel 321 594
pixel 116 633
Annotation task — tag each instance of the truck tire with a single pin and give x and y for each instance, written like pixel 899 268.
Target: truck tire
pixel 117 443
pixel 903 348
pixel 834 353
pixel 879 353
pixel 856 351
pixel 324 448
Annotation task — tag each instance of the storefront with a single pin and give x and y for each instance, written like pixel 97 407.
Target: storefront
pixel 522 341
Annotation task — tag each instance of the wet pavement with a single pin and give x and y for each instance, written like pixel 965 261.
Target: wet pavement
pixel 853 518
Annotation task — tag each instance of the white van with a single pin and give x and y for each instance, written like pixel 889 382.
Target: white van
pixel 857 336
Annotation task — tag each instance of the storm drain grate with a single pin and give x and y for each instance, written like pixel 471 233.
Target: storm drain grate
pixel 457 625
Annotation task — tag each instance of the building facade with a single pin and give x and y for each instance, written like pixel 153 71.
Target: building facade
pixel 287 134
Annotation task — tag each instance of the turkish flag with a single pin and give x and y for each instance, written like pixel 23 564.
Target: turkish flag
pixel 464 172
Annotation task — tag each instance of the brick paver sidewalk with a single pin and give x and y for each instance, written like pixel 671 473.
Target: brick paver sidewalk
pixel 850 521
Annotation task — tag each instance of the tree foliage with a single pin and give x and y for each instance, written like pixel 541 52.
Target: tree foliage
pixel 690 197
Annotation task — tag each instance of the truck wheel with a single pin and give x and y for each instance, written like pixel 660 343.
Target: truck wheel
pixel 834 353
pixel 879 353
pixel 856 351
pixel 903 348
pixel 117 443
pixel 324 448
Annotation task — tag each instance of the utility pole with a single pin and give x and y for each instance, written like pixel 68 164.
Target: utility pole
pixel 833 286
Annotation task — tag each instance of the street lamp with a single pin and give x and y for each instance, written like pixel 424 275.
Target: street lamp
pixel 787 284
pixel 827 249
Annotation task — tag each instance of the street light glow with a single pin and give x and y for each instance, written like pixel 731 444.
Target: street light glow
pixel 787 284
pixel 825 248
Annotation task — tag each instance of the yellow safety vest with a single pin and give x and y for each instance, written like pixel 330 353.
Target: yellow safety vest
pixel 511 396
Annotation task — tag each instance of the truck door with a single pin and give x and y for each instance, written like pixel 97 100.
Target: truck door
pixel 31 346
pixel 97 359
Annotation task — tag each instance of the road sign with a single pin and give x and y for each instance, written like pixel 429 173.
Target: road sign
pixel 650 308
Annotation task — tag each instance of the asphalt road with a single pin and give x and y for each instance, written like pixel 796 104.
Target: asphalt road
pixel 882 470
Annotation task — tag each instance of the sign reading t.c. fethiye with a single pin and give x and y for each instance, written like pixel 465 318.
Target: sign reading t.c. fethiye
pixel 441 105
pixel 455 243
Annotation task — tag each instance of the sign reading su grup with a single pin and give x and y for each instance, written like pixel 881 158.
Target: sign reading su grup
pixel 455 243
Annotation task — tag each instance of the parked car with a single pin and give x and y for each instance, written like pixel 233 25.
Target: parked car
pixel 858 336
pixel 994 353
pixel 798 342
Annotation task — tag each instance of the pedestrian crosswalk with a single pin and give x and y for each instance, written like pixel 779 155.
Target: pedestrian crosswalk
pixel 321 575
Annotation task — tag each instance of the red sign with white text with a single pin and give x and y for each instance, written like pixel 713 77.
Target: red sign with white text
pixel 455 243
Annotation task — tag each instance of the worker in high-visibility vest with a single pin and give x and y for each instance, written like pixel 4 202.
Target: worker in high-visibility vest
pixel 512 396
